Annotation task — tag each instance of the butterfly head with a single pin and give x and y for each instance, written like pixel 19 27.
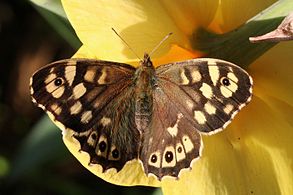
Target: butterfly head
pixel 146 62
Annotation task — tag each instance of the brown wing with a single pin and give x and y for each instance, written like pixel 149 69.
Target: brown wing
pixel 213 91
pixel 201 95
pixel 171 142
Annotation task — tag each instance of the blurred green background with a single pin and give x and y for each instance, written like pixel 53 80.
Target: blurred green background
pixel 33 158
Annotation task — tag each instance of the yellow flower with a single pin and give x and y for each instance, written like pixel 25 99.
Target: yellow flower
pixel 254 155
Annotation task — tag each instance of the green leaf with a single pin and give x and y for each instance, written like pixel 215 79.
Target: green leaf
pixel 42 144
pixel 53 12
pixel 158 191
pixel 4 166
pixel 54 6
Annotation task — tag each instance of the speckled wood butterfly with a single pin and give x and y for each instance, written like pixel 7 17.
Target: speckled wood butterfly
pixel 119 113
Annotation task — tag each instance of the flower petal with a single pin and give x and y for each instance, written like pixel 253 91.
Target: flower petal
pixel 232 14
pixel 142 24
pixel 273 72
pixel 254 155
pixel 189 14
pixel 131 174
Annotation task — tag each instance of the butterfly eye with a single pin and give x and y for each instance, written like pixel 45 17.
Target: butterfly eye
pixel 225 81
pixel 58 82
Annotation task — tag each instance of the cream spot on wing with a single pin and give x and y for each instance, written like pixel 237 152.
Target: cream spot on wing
pixel 105 121
pixel 184 79
pixel 232 77
pixel 55 91
pixel 209 108
pixel 212 62
pixel 174 130
pixel 58 92
pixel 169 159
pixel 84 133
pixel 206 90
pixel 214 74
pixel 75 108
pixel 228 108
pixel 233 86
pixel 79 90
pixel 92 139
pixel 71 63
pixel 86 116
pixel 187 143
pixel 199 117
pixel 52 70
pixel 70 72
pixel 90 74
pixel 189 104
pixel 154 159
pixel 180 154
pixel 102 78
pixel 50 78
pixel 56 109
pixel 102 140
pixel 226 92
pixel 196 76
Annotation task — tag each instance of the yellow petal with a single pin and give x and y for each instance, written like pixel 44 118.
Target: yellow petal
pixel 84 52
pixel 131 174
pixel 273 72
pixel 232 14
pixel 190 14
pixel 176 53
pixel 252 156
pixel 142 24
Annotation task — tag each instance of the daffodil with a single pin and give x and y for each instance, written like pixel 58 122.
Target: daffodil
pixel 254 154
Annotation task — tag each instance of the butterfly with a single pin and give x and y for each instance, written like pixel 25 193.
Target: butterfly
pixel 118 113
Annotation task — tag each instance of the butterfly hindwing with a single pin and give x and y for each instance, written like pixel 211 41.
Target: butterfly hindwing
pixel 112 141
pixel 171 141
pixel 78 95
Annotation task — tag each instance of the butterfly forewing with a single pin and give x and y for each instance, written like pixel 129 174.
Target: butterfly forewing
pixel 211 91
pixel 84 96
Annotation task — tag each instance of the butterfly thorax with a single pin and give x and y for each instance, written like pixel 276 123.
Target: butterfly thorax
pixel 145 82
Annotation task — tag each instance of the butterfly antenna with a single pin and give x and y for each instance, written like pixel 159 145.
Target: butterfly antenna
pixel 162 41
pixel 126 44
